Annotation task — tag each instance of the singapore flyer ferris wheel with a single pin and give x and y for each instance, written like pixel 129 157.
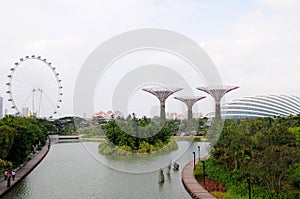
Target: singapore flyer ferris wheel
pixel 34 88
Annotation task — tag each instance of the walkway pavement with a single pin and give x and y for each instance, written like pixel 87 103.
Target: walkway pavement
pixel 24 171
pixel 191 184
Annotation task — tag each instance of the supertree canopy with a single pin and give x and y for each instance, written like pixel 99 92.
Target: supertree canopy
pixel 217 92
pixel 162 94
pixel 189 101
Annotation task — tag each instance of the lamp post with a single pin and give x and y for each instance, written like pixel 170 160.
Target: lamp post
pixel 249 187
pixel 199 152
pixel 194 160
pixel 203 162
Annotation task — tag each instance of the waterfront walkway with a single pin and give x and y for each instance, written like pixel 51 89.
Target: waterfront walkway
pixel 191 184
pixel 24 170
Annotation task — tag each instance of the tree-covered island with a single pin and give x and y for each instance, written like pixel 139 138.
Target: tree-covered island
pixel 142 136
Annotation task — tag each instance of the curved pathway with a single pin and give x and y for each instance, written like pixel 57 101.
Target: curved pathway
pixel 191 184
pixel 24 170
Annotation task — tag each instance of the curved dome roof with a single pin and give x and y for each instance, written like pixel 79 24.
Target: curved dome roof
pixel 262 106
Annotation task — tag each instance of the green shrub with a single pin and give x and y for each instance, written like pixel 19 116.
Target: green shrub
pixel 218 194
pixel 5 166
pixel 198 172
pixel 293 176
pixel 106 148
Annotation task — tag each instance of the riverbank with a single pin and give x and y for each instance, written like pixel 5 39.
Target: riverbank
pixel 191 184
pixel 22 172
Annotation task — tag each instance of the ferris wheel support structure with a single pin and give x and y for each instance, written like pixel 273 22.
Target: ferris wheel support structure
pixel 35 109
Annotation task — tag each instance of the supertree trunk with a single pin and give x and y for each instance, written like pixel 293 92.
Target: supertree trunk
pixel 189 101
pixel 162 94
pixel 217 92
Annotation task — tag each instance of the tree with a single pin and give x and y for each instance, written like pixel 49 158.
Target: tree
pixel 275 153
pixel 272 164
pixel 67 125
pixel 136 133
pixel 7 135
pixel 28 131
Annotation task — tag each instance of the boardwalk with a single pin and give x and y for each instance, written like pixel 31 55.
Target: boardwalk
pixel 191 184
pixel 24 171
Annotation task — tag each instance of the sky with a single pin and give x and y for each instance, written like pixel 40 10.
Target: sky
pixel 253 44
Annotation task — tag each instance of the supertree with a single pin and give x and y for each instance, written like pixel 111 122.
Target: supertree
pixel 162 94
pixel 217 92
pixel 189 101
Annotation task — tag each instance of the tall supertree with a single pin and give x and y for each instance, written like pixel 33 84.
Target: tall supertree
pixel 217 92
pixel 189 101
pixel 162 94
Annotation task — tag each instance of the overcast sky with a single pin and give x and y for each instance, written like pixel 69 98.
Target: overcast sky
pixel 254 44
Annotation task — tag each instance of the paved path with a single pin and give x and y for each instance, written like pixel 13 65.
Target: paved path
pixel 191 184
pixel 25 170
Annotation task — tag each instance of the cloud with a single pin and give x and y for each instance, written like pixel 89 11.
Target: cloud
pixel 287 5
pixel 253 44
pixel 260 52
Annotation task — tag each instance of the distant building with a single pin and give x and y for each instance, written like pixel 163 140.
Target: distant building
pixel 1 107
pixel 197 115
pixel 174 115
pixel 181 116
pixel 108 115
pixel 261 106
pixel 118 114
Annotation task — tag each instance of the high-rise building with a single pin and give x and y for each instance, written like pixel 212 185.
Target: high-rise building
pixel 1 107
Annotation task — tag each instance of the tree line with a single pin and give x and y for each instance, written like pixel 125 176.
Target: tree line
pixel 265 151
pixel 18 135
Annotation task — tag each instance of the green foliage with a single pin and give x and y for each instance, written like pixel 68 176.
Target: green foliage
pixel 138 136
pixel 95 130
pixel 202 126
pixel 173 125
pixel 198 172
pixel 107 148
pixel 293 177
pixel 296 132
pixel 5 166
pixel 7 135
pixel 265 150
pixel 65 125
pixel 18 134
pixel 218 194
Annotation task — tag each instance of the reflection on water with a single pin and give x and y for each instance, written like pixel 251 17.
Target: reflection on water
pixel 77 170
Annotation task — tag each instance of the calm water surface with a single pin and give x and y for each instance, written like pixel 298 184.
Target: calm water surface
pixel 76 170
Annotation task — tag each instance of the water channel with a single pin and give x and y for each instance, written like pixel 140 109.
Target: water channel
pixel 77 170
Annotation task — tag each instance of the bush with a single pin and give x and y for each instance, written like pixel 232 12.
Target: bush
pixel 106 148
pixel 198 172
pixel 5 166
pixel 293 176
